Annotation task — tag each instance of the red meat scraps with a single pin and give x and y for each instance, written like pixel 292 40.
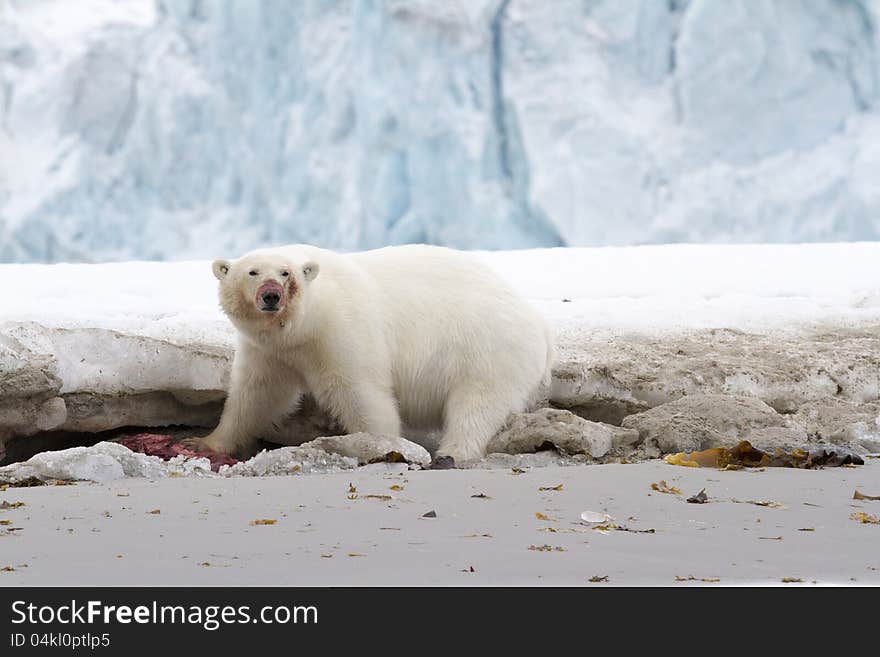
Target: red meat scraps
pixel 166 447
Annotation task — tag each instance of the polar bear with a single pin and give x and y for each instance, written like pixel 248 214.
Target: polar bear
pixel 421 336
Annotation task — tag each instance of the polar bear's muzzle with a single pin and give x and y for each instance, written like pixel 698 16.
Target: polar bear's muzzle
pixel 270 297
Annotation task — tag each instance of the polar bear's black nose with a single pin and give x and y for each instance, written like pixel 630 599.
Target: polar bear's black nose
pixel 271 298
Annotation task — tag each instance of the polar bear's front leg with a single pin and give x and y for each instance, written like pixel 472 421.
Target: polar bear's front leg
pixel 261 391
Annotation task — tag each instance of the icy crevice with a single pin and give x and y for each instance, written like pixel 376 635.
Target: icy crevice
pixel 512 160
pixel 126 119
pixel 865 98
pixel 498 103
pixel 677 10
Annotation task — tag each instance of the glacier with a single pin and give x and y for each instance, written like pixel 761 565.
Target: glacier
pixel 185 129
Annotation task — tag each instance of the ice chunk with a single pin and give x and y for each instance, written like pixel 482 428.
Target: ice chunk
pixel 701 421
pixel 371 448
pixel 383 467
pixel 102 462
pixel 550 457
pixel 530 432
pixel 288 461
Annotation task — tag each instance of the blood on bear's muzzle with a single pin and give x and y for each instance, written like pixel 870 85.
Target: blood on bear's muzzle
pixel 270 297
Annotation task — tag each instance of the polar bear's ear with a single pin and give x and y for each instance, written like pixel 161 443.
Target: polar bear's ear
pixel 310 270
pixel 221 268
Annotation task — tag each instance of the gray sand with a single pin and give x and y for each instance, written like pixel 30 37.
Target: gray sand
pixel 103 534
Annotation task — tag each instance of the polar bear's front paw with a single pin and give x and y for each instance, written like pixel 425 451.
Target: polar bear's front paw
pixel 201 445
pixel 459 454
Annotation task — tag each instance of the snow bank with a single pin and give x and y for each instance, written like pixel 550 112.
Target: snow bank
pixel 108 461
pixel 95 347
pixel 102 462
pixel 648 287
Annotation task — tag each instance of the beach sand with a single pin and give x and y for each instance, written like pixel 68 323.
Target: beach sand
pixel 327 530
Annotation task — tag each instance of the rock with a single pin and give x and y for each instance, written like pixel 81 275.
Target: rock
pixel 769 439
pixel 531 432
pixel 370 448
pixel 594 392
pixel 824 419
pixel 698 422
pixel 862 437
pixel 840 422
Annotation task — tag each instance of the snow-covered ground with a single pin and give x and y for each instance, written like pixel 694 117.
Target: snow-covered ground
pixel 646 288
pixel 196 531
pixel 96 347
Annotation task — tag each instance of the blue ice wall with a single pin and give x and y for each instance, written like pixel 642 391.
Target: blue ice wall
pixel 196 128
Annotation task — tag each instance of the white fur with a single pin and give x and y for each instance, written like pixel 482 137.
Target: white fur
pixel 416 335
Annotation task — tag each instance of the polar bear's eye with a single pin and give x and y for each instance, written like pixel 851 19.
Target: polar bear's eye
pixel 253 272
pixel 285 274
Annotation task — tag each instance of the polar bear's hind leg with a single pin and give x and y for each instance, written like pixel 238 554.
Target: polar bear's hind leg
pixel 365 407
pixel 473 415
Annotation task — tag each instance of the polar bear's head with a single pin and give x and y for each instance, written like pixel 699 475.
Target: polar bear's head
pixel 262 286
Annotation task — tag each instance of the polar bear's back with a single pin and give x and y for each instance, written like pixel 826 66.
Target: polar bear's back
pixel 441 290
pixel 452 320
